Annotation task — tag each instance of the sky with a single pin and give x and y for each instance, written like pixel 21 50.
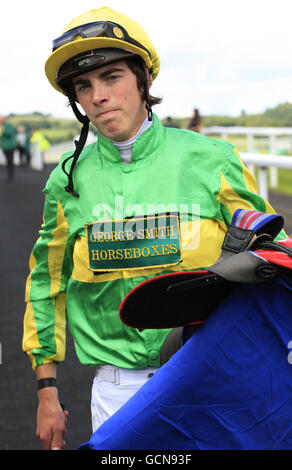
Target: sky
pixel 222 57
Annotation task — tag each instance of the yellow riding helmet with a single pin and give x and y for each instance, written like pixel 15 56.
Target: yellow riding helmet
pixel 103 29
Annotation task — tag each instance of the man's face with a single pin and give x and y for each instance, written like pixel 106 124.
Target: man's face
pixel 111 100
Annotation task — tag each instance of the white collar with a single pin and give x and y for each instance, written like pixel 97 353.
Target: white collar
pixel 126 148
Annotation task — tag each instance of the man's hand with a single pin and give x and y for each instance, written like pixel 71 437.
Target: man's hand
pixel 51 420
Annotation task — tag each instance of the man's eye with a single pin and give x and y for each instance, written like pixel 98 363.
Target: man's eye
pixel 80 88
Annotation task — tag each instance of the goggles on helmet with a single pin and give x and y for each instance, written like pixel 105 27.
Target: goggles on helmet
pixel 105 29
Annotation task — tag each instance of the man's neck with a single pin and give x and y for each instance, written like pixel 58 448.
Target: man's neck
pixel 126 148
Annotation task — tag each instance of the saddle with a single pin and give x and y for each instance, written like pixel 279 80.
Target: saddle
pixel 186 299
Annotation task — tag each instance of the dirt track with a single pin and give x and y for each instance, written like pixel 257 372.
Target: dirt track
pixel 283 205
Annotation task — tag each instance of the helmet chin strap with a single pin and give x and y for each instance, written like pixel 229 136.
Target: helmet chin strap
pixel 79 146
pixel 146 98
pixel 149 109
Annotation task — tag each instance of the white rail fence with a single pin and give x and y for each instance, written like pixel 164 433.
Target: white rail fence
pixel 267 164
pixel 264 163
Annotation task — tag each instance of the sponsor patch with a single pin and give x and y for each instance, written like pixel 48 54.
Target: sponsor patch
pixel 134 243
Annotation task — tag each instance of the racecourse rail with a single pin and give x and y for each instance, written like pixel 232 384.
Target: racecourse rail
pixel 264 162
pixel 267 163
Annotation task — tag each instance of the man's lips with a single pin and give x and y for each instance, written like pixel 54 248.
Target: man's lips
pixel 106 113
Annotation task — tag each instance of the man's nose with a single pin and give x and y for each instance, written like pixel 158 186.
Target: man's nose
pixel 99 93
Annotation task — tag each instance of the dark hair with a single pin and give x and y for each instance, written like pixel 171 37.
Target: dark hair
pixel 137 66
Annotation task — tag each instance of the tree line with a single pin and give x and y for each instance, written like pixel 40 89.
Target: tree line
pixel 279 116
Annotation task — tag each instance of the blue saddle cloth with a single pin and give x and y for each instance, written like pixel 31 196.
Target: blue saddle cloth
pixel 229 386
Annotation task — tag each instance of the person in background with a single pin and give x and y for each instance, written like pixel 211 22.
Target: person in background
pixel 8 145
pixel 23 146
pixel 195 123
pixel 169 122
pixel 39 144
pixel 96 241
